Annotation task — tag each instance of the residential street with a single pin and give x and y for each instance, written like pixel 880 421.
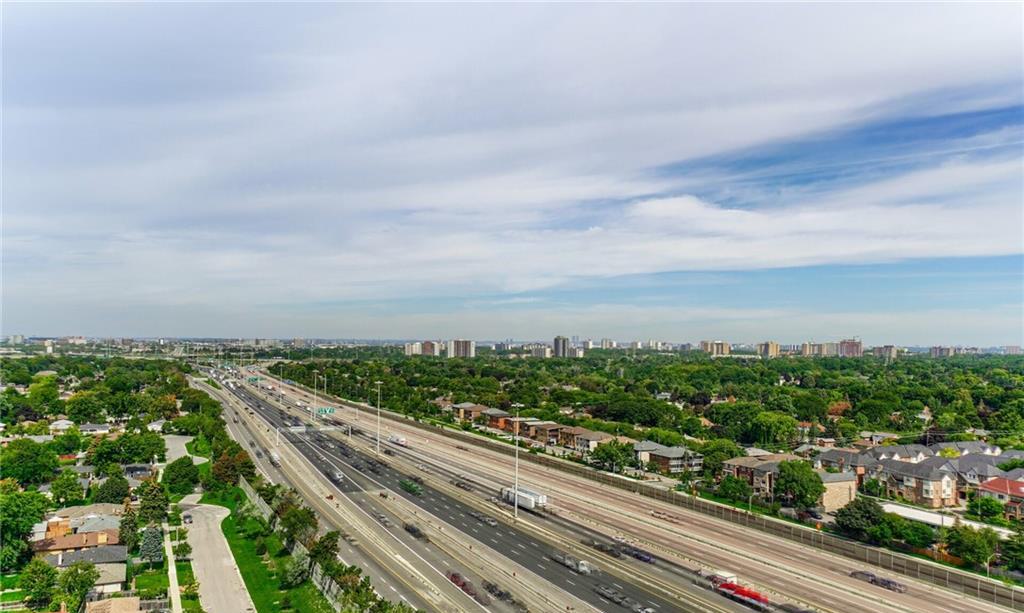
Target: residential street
pixel 221 587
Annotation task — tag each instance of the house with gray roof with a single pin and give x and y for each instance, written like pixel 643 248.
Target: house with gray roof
pixel 903 453
pixel 643 450
pixel 108 554
pixel 968 447
pixel 931 482
pixel 675 460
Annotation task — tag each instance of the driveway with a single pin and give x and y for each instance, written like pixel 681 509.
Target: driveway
pixel 221 588
pixel 176 448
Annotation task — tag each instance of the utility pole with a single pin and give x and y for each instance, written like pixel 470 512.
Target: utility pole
pixel 312 415
pixel 378 383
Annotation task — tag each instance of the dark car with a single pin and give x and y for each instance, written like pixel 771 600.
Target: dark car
pixel 864 575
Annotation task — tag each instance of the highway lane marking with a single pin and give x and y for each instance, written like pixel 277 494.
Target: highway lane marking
pixel 520 545
pixel 570 581
pixel 618 586
pixel 541 566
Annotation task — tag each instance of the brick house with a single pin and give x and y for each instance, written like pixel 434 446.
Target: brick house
pixel 931 482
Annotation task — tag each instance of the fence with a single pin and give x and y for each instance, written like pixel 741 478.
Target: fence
pixel 950 578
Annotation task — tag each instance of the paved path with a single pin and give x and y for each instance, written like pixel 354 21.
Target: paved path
pixel 172 572
pixel 221 588
pixel 176 448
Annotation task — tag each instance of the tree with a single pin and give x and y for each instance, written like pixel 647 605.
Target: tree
pixel 613 455
pixel 66 489
pixel 918 535
pixel 770 428
pixel 182 550
pixel 858 516
pixel 28 462
pixel 152 547
pixel 949 452
pixel 19 511
pixel 798 483
pixel 734 489
pixel 974 547
pixel 85 407
pixel 873 487
pixel 75 583
pixel 181 476
pixel 38 581
pixel 716 452
pixel 325 550
pixel 296 570
pixel 129 531
pixel 297 523
pixel 152 502
pixel 225 470
pixel 1013 549
pixel 985 507
pixel 114 490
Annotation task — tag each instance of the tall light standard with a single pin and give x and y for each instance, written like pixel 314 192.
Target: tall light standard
pixel 378 384
pixel 312 414
pixel 515 496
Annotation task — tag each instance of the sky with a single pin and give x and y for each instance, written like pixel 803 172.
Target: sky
pixel 678 172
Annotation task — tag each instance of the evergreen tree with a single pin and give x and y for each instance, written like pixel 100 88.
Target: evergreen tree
pixel 129 532
pixel 152 547
pixel 152 502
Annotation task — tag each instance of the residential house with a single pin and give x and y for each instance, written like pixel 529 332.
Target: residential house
pixel 96 508
pixel 75 542
pixel 468 411
pixel 759 471
pixel 974 469
pixel 140 472
pixel 94 429
pixel 1010 493
pixel 963 448
pixel 522 424
pixel 903 453
pixel 112 578
pixel 123 604
pixel 847 460
pixel 587 441
pixel 108 554
pixel 495 417
pixel 546 432
pixel 536 428
pixel 675 460
pixel 643 451
pixel 932 482
pixel 1017 474
pixel 61 426
pixel 840 490
pixel 567 435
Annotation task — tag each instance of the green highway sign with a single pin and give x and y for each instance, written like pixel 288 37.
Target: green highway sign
pixel 325 411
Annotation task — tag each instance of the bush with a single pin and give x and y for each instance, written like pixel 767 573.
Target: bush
pixel 261 547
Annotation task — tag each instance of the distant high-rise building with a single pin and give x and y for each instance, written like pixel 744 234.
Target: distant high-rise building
pixel 542 351
pixel 851 348
pixel 607 343
pixel 589 344
pixel 298 342
pixel 1011 350
pixel 577 352
pixel 768 349
pixel 942 352
pixel 887 352
pixel 561 347
pixel 460 348
pixel 430 348
pixel 16 339
pixel 413 348
pixel 715 348
pixel 502 346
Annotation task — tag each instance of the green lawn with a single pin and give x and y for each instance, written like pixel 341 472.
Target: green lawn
pixel 260 572
pixel 9 581
pixel 198 446
pixel 153 581
pixel 12 596
pixel 185 575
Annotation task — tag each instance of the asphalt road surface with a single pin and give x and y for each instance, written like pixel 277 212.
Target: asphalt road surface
pixel 362 472
pixel 221 588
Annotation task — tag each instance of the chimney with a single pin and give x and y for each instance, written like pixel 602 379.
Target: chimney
pixel 101 538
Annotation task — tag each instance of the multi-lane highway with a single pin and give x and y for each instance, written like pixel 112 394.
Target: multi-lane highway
pixel 776 565
pixel 362 472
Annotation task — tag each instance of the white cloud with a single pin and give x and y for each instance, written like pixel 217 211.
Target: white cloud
pixel 325 153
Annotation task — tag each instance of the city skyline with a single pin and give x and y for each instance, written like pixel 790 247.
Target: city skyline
pixel 355 171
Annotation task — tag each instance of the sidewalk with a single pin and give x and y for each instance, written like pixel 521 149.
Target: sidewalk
pixel 172 572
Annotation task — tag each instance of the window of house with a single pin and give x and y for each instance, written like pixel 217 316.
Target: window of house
pixel 908 481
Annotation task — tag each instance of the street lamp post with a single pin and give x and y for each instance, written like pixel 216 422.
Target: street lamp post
pixel 312 409
pixel 378 384
pixel 515 496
